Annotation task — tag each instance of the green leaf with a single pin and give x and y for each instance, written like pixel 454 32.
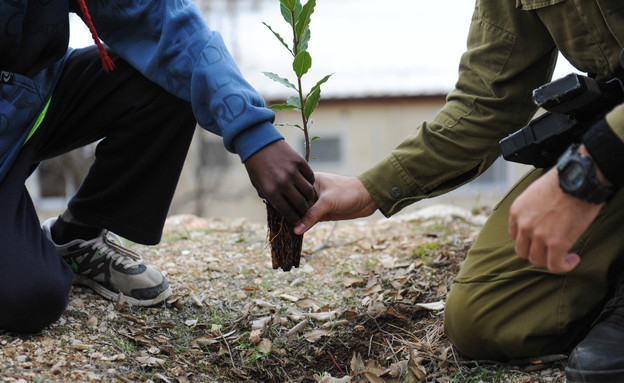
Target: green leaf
pixel 291 125
pixel 303 41
pixel 279 79
pixel 298 9
pixel 279 38
pixel 294 101
pixel 314 138
pixel 302 63
pixel 288 8
pixel 312 102
pixel 287 14
pixel 282 107
pixel 303 20
pixel 318 84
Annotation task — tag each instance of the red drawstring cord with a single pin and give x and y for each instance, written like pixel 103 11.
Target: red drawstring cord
pixel 107 63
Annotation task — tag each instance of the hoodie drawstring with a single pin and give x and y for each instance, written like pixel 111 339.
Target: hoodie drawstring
pixel 107 63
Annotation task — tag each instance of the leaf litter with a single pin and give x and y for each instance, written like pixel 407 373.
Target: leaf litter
pixel 365 305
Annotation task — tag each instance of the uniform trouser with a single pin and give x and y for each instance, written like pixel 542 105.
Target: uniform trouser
pixel 145 134
pixel 501 307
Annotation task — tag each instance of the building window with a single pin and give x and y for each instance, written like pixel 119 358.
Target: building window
pixel 325 150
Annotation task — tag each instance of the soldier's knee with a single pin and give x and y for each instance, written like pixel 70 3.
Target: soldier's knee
pixel 475 329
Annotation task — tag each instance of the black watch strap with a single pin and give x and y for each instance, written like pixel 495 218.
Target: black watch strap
pixel 592 190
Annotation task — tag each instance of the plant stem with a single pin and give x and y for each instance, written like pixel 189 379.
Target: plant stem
pixel 306 134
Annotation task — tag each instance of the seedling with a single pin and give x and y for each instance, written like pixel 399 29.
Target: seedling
pixel 285 245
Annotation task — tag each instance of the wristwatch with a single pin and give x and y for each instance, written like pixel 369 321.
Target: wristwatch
pixel 577 177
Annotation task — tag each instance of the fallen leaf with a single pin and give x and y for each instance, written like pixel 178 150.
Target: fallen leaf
pixel 148 361
pixel 308 303
pixel 132 318
pixel 261 324
pixel 288 297
pixel 298 328
pixel 357 364
pixel 265 346
pixel 348 282
pixel 392 312
pixel 433 306
pixel 327 378
pixel 315 335
pixel 255 336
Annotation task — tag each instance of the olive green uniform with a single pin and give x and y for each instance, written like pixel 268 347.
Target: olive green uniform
pixel 500 306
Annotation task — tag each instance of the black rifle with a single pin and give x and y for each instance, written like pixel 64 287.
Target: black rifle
pixel 574 103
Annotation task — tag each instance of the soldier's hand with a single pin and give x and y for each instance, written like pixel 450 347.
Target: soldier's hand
pixel 339 198
pixel 546 222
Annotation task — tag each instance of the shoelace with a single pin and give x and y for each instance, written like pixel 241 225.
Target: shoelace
pixel 110 249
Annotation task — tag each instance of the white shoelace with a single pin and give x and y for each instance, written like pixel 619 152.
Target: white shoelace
pixel 109 249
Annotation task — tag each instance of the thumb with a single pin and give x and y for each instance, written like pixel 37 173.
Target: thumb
pixel 572 260
pixel 311 218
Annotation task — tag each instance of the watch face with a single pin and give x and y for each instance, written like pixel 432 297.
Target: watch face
pixel 573 175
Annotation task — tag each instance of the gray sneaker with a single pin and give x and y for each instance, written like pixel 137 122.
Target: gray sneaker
pixel 112 271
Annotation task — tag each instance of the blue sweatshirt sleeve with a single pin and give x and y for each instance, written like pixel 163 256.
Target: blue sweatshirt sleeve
pixel 169 42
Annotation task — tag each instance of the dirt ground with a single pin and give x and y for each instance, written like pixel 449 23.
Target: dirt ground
pixel 365 305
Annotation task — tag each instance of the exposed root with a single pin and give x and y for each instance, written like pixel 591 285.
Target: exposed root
pixel 285 244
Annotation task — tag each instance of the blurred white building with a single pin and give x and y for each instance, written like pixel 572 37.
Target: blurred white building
pixel 392 64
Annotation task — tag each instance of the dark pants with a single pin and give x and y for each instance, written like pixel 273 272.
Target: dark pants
pixel 145 135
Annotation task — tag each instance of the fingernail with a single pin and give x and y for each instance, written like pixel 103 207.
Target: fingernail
pixel 300 228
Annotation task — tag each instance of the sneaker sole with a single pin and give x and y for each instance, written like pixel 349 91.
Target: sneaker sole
pixel 80 280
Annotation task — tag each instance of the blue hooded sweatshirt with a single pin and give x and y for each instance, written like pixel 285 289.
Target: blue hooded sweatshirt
pixel 167 41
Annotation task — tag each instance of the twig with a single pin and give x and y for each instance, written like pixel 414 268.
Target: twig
pixel 334 360
pixel 325 243
pixel 394 353
pixel 122 378
pixel 228 347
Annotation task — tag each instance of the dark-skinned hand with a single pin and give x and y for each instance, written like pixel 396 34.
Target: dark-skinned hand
pixel 282 177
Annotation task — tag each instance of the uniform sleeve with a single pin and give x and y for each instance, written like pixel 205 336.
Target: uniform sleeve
pixel 605 143
pixel 169 42
pixel 509 53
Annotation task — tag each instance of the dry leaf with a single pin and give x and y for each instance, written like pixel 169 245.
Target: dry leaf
pixel 261 324
pixel 372 280
pixel 322 316
pixel 327 378
pixel 433 306
pixel 265 346
pixel 288 297
pixel 372 378
pixel 357 364
pixel 397 369
pixel 351 281
pixel 132 318
pixel 342 322
pixel 315 335
pixel 203 341
pixel 392 312
pixel 255 336
pixel 308 303
pixel 372 290
pixel 298 328
pixel 148 361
